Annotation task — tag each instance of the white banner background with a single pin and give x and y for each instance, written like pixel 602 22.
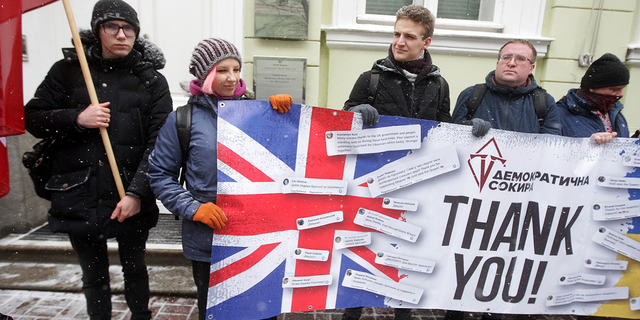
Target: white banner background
pixel 480 262
pixel 581 161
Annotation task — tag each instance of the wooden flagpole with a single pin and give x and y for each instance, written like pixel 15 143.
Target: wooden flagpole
pixel 92 95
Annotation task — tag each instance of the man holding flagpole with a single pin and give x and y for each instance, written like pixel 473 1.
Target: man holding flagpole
pixel 84 201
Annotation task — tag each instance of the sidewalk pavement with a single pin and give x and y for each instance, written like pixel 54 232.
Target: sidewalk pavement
pixel 41 305
pixel 47 305
pixel 41 280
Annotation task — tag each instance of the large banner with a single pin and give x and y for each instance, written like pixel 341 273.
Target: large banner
pixel 325 214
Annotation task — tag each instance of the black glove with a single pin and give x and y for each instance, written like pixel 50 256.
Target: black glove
pixel 369 113
pixel 480 127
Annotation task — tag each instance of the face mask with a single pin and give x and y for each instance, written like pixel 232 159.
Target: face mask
pixel 598 101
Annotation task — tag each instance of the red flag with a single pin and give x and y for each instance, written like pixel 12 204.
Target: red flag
pixel 28 5
pixel 11 103
pixel 4 168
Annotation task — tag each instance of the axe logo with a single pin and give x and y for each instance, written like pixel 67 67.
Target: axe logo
pixel 481 163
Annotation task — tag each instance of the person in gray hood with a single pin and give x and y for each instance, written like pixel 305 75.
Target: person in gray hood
pixel 406 83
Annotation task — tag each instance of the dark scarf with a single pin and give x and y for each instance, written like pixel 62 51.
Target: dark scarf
pixel 598 101
pixel 420 67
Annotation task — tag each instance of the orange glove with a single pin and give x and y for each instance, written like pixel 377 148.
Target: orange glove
pixel 281 102
pixel 211 215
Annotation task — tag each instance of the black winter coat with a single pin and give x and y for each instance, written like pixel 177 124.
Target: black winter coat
pixel 397 96
pixel 83 191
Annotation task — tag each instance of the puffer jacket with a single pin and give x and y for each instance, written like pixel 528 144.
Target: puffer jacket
pixel 84 193
pixel 201 176
pixel 509 108
pixel 397 96
pixel 579 122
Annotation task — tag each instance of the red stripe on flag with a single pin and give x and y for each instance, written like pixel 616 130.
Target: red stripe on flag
pixel 319 165
pixel 251 214
pixel 241 165
pixel 241 265
pixel 370 256
pixel 312 298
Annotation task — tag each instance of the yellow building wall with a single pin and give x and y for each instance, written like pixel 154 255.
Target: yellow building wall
pixel 331 73
pixel 344 68
pixel 462 72
pixel 572 24
pixel 308 49
pixel 631 106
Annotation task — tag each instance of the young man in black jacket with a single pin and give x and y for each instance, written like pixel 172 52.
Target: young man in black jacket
pixel 406 83
pixel 84 200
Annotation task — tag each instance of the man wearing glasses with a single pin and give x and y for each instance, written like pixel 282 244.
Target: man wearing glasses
pixel 510 99
pixel 507 101
pixel 85 204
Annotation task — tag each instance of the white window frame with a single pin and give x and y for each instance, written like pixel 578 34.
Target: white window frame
pixel 633 49
pixel 363 18
pixel 352 28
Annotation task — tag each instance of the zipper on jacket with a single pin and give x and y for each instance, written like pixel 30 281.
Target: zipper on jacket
pixel 614 123
pixel 506 115
pixel 412 106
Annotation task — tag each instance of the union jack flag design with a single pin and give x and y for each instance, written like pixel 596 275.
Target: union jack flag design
pixel 252 255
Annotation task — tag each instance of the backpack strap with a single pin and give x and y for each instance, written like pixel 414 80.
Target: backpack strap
pixel 539 96
pixel 373 85
pixel 443 85
pixel 474 100
pixel 183 128
pixel 540 104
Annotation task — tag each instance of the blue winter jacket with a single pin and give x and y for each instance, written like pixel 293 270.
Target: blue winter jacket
pixel 201 176
pixel 509 108
pixel 578 120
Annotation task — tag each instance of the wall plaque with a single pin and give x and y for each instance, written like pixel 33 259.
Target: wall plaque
pixel 275 75
pixel 284 19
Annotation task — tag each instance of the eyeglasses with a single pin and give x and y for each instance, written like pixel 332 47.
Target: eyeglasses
pixel 113 29
pixel 506 58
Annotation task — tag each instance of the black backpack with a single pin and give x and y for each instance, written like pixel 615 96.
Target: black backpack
pixel 38 162
pixel 375 78
pixel 183 128
pixel 5 317
pixel 479 90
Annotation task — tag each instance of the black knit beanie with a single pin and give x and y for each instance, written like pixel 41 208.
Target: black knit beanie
pixel 607 71
pixel 106 10
pixel 208 53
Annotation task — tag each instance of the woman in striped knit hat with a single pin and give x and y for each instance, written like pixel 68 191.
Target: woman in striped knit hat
pixel 216 64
